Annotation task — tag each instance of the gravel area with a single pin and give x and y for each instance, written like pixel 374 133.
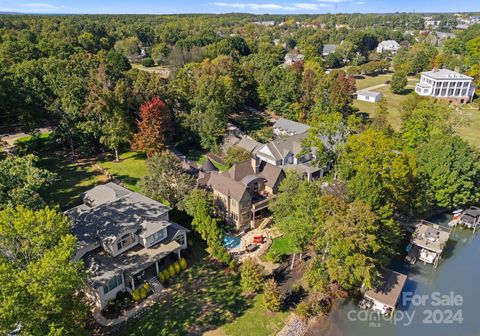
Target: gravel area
pixel 294 327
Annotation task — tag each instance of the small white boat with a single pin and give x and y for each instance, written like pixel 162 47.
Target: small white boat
pixel 457 212
pixel 453 223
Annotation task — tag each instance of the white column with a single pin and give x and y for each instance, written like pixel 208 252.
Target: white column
pixel 156 267
pixel 133 282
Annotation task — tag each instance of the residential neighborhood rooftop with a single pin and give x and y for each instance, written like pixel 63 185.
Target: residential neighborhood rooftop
pixel 290 127
pixel 445 74
pixel 113 210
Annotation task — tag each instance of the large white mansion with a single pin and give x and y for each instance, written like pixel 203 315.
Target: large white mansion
pixel 444 83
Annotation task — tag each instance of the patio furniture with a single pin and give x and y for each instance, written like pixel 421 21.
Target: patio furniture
pixel 258 239
pixel 251 247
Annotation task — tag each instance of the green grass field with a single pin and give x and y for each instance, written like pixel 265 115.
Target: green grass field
pixel 130 169
pixel 205 297
pixel 394 105
pixel 163 71
pixel 471 130
pixel 73 178
pixel 368 81
pixel 256 322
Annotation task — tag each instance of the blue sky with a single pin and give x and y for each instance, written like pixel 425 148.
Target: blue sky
pixel 244 6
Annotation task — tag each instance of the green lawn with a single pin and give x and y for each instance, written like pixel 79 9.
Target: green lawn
pixel 73 178
pixel 282 245
pixel 394 105
pixel 471 130
pixel 130 169
pixel 368 81
pixel 256 321
pixel 205 297
pixel 163 71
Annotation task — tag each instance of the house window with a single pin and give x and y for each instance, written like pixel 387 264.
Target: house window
pixel 156 237
pixel 112 284
pixel 125 241
pixel 181 239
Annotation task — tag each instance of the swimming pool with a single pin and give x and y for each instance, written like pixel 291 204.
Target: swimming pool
pixel 230 242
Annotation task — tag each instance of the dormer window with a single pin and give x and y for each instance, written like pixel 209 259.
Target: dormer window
pixel 156 237
pixel 125 240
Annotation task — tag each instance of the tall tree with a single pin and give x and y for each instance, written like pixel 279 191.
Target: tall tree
pixel 38 277
pixel 155 127
pixel 236 154
pixel 20 181
pixel 379 172
pixel 426 119
pixel 452 170
pixel 199 205
pixel 328 135
pixel 165 179
pixel 293 210
pixel 272 296
pixel 349 241
pixel 252 275
pixel 399 81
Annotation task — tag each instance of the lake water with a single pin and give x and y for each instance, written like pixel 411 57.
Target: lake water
pixel 457 276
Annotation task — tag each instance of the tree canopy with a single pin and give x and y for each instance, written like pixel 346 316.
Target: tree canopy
pixel 38 277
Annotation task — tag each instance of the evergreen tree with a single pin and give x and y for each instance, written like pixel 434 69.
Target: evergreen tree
pixel 272 296
pixel 252 276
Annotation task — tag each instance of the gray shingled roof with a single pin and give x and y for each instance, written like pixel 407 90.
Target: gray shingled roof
pixel 329 48
pixel 289 126
pixel 109 219
pixel 281 147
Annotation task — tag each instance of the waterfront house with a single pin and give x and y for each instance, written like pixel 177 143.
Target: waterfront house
pixel 384 297
pixel 427 243
pixel 124 239
pixel 447 84
pixel 470 218
pixel 242 193
pixel 369 96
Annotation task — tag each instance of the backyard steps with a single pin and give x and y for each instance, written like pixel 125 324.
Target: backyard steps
pixel 155 284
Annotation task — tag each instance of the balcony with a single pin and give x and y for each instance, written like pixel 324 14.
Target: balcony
pixel 260 201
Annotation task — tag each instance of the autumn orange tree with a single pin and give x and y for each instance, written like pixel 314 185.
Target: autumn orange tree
pixel 155 128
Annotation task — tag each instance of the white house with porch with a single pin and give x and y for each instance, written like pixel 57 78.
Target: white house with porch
pixel 444 83
pixel 124 239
